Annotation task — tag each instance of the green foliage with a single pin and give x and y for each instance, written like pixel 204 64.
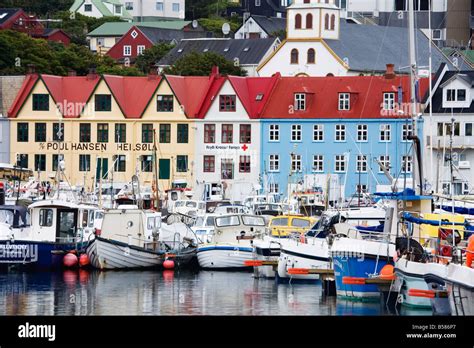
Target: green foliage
pixel 151 55
pixel 38 7
pixel 280 34
pixel 214 24
pixel 205 8
pixel 19 51
pixel 200 64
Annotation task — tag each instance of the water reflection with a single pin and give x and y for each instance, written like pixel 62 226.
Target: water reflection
pixel 166 293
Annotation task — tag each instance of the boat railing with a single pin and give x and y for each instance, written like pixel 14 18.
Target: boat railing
pixel 375 236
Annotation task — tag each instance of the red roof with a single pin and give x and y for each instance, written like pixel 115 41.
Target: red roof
pixel 190 91
pixel 215 84
pixel 24 92
pixel 133 94
pixel 323 96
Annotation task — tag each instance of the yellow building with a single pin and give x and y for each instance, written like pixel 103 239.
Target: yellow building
pixel 104 126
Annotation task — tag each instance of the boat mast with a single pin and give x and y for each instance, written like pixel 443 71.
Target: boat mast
pixel 413 100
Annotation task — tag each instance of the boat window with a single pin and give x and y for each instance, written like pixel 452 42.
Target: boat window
pixel 91 219
pixel 232 220
pixel 174 196
pixel 99 215
pixel 151 223
pixel 199 221
pixel 6 216
pixel 253 220
pixel 300 223
pixel 67 225
pixel 158 221
pixel 210 221
pixel 191 204
pixel 46 217
pixel 202 206
pixel 280 222
pixel 179 204
pixel 85 218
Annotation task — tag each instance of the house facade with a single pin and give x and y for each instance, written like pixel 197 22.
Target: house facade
pixel 450 126
pixel 103 127
pixel 332 132
pixel 145 10
pixel 101 8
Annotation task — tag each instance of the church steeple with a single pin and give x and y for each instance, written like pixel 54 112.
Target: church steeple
pixel 313 19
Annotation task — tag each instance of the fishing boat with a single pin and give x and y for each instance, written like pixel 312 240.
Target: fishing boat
pixel 57 227
pixel 460 286
pixel 231 244
pixel 130 238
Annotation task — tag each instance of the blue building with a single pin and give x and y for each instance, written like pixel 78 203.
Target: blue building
pixel 332 132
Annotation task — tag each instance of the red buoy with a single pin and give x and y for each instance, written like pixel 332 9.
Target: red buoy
pixel 84 260
pixel 70 260
pixel 168 264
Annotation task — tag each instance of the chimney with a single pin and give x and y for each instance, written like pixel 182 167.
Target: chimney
pixel 152 73
pixel 215 71
pixel 71 73
pixel 92 74
pixel 390 72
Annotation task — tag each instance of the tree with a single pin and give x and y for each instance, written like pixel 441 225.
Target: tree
pixel 200 64
pixel 151 55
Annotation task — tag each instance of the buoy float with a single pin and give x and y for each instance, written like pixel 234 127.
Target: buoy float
pixel 387 272
pixel 84 260
pixel 168 264
pixel 470 252
pixel 70 260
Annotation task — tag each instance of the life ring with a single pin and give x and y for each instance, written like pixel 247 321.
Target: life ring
pixel 445 250
pixel 470 252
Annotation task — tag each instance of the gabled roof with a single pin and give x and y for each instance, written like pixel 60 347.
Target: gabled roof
pixel 156 35
pixel 386 45
pixel 103 9
pixel 214 86
pixel 28 83
pixel 132 94
pixel 323 96
pixel 248 51
pixel 190 91
pixel 270 25
pixel 120 28
pixel 7 14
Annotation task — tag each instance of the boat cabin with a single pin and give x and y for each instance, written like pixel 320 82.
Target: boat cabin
pixel 238 227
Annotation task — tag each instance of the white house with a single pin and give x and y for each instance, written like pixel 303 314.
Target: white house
pixel 452 119
pixel 148 9
pixel 319 43
pixel 100 8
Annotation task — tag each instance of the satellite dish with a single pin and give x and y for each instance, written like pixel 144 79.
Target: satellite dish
pixel 225 28
pixel 195 24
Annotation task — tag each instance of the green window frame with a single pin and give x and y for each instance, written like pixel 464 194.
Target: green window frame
pixel 165 133
pixel 183 133
pixel 85 133
pixel 56 129
pixel 103 102
pixel 40 132
pixel 147 133
pixel 40 102
pixel 102 132
pixel 40 162
pixel 164 103
pixel 22 132
pixel 120 133
pixel 182 163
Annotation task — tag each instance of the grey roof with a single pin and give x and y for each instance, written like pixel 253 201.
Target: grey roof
pixel 167 35
pixel 437 99
pixel 370 47
pixel 270 24
pixel 7 13
pixel 249 51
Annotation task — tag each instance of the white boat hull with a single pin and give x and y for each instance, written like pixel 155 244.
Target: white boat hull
pixel 267 249
pixel 215 256
pixel 105 254
pixel 460 285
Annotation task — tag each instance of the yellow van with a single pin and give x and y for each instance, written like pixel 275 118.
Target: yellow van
pixel 284 225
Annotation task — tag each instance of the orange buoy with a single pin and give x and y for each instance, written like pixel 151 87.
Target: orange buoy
pixel 470 252
pixel 168 264
pixel 70 260
pixel 84 260
pixel 387 272
pixel 302 238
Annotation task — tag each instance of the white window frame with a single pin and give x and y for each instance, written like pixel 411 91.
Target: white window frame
pixel 129 5
pixel 409 164
pixel 340 164
pixel 300 102
pixel 361 164
pixel 340 132
pixel 274 161
pixel 296 133
pixel 318 133
pixel 88 6
pixel 127 50
pixel 385 160
pixel 344 101
pixel 362 133
pixel 318 164
pixel 140 49
pixel 173 5
pixel 118 7
pixel 258 3
pixel 162 6
pixel 274 133
pixel 407 128
pixel 296 163
pixel 389 101
pixel 274 187
pixel 385 135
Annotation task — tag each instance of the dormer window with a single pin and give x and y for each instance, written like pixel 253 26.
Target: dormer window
pixel 389 101
pixel 456 95
pixel 461 95
pixel 118 9
pixel 451 95
pixel 344 101
pixel 300 101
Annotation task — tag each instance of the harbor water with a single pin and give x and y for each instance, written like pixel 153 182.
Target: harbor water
pixel 170 293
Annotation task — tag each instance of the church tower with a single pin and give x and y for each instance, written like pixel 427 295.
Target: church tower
pixel 313 19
